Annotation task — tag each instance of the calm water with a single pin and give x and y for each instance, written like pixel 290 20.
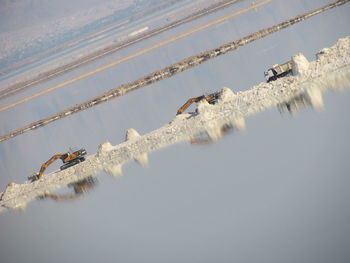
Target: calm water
pixel 277 192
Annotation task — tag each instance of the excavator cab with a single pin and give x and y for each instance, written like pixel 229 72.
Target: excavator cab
pixel 70 159
pixel 270 74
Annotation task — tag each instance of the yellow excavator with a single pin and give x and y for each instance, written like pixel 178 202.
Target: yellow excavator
pixel 210 98
pixel 68 159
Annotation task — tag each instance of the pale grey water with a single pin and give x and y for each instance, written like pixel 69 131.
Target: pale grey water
pixel 277 192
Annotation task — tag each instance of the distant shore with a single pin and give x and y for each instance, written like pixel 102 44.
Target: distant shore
pixel 62 66
pixel 169 71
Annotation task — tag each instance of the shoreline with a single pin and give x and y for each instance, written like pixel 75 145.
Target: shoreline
pixel 330 70
pixel 64 65
pixel 167 72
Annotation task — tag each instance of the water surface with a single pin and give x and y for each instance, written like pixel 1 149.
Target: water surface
pixel 274 193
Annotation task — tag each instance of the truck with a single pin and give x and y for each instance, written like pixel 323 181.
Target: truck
pixel 278 71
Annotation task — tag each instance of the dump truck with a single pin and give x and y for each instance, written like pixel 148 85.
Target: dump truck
pixel 278 71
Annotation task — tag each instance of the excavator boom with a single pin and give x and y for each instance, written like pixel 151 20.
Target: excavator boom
pixel 69 159
pixel 46 164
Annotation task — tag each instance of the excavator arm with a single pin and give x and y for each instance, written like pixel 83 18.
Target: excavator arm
pixel 188 103
pixel 69 159
pixel 46 164
pixel 211 99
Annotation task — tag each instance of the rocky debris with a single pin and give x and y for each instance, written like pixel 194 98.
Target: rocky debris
pixel 300 64
pixel 330 70
pixel 133 134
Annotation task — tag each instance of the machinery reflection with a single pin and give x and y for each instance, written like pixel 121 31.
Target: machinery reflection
pixel 311 98
pixel 110 159
pixel 79 188
pixel 206 138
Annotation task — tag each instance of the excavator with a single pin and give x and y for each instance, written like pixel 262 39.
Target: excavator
pixel 210 98
pixel 68 159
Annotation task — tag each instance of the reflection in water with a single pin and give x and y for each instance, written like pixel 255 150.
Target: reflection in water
pixel 167 72
pixel 331 70
pixel 124 41
pixel 311 98
pixel 110 159
pixel 80 187
pixel 205 138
